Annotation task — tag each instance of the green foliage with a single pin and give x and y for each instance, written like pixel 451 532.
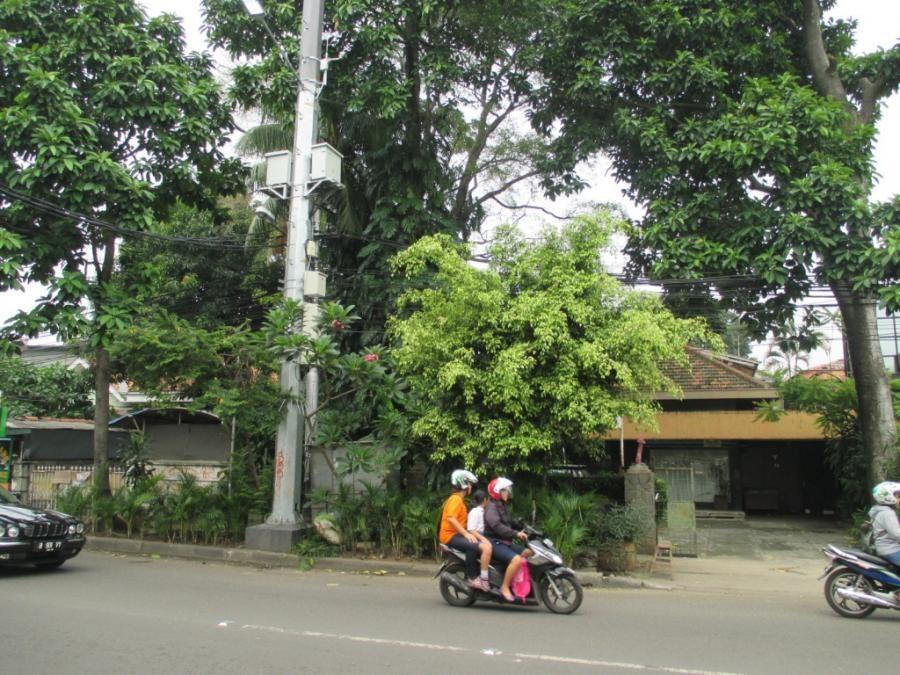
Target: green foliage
pixel 133 458
pixel 539 352
pixel 105 114
pixel 569 519
pixel 423 106
pixel 181 511
pixel 746 131
pixel 46 391
pixel 384 521
pixel 74 500
pixel 622 523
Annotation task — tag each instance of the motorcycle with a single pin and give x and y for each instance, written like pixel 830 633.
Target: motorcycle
pixel 858 583
pixel 552 583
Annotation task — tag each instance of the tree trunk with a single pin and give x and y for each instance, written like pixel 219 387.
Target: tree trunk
pixel 873 390
pixel 101 379
pixel 101 421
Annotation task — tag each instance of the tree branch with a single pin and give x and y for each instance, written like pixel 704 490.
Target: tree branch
pixel 508 184
pixel 825 80
pixel 516 207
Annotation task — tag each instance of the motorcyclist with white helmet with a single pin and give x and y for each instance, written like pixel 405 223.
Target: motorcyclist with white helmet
pixel 885 523
pixel 453 531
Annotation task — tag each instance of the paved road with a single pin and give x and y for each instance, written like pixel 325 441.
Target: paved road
pixel 109 614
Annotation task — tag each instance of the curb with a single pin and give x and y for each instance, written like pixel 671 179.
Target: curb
pixel 268 559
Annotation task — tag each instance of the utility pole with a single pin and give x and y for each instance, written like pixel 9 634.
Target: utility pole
pixel 283 527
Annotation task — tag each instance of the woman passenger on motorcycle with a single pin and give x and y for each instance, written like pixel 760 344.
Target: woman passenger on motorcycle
pixel 502 530
pixel 885 524
pixel 453 531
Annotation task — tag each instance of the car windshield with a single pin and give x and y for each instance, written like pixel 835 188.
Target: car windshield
pixel 7 497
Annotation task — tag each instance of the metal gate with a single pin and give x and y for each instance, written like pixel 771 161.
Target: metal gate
pixel 681 514
pixel 46 481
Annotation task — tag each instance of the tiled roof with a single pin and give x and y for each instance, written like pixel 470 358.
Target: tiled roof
pixel 707 372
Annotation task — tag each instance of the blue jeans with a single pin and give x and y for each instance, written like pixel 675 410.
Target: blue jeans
pixel 473 553
pixel 505 551
pixel 894 558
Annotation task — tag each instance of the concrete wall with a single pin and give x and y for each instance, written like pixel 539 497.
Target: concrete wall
pixel 187 442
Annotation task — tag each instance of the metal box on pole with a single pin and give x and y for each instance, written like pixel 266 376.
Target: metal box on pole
pixel 326 164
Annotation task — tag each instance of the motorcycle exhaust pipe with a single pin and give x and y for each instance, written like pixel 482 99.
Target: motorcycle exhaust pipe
pixel 866 598
pixel 456 582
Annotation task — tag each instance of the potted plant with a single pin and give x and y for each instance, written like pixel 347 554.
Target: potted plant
pixel 619 527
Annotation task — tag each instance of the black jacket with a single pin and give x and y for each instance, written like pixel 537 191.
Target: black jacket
pixel 498 524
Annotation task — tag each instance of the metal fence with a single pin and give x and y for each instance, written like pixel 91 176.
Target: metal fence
pixel 46 481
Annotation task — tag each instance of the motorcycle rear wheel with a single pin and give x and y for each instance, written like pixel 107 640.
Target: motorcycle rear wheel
pixel 451 594
pixel 569 597
pixel 844 577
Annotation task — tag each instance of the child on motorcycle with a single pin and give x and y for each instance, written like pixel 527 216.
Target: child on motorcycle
pixel 453 532
pixel 475 522
pixel 885 524
pixel 501 530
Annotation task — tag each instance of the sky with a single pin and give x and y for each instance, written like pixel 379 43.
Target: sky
pixel 878 27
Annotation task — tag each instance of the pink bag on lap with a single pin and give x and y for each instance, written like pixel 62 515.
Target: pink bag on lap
pixel 521 585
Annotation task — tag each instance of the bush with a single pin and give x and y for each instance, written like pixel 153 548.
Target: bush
pixel 622 523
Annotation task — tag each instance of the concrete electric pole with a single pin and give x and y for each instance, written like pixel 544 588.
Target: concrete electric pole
pixel 283 526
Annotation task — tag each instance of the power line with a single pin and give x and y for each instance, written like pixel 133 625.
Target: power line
pixel 60 211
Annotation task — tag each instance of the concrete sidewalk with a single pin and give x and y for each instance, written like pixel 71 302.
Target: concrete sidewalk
pixel 774 554
pixel 375 567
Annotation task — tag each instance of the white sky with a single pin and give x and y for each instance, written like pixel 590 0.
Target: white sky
pixel 878 27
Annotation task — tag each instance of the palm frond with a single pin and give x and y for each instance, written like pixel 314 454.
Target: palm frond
pixel 265 138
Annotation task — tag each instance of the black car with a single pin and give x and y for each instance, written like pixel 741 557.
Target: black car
pixel 34 536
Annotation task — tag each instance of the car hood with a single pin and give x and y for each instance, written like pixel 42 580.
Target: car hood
pixel 28 514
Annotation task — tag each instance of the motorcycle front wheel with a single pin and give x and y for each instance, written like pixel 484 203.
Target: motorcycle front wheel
pixel 451 594
pixel 565 598
pixel 845 578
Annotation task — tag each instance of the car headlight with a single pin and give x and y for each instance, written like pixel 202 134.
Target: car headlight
pixel 72 528
pixel 12 531
pixel 79 528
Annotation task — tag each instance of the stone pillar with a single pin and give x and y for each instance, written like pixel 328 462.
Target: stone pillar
pixel 640 491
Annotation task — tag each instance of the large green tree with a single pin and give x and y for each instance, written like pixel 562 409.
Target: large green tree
pixel 515 364
pixel 426 104
pixel 104 122
pixel 745 129
pixel 45 391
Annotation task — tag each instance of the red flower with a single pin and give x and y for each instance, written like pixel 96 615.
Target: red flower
pixel 337 325
pixel 370 358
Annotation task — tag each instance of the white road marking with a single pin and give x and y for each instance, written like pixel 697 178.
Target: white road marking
pixel 487 652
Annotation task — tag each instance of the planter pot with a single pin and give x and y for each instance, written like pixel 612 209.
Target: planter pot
pixel 617 557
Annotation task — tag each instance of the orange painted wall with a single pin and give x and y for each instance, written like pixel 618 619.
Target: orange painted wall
pixel 725 425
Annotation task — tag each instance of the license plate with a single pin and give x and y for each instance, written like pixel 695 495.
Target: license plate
pixel 48 545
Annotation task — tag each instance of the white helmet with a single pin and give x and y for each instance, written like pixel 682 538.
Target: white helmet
pixel 883 493
pixel 462 479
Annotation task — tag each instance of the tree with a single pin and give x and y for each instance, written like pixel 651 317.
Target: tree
pixel 745 129
pixel 45 391
pixel 537 354
pixel 105 123
pixel 425 103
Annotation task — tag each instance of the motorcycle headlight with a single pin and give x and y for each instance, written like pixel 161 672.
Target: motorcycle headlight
pixel 548 542
pixel 12 531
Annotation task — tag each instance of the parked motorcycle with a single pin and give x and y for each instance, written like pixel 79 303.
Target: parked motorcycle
pixel 552 584
pixel 858 583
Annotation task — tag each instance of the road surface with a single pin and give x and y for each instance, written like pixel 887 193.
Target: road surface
pixel 103 613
